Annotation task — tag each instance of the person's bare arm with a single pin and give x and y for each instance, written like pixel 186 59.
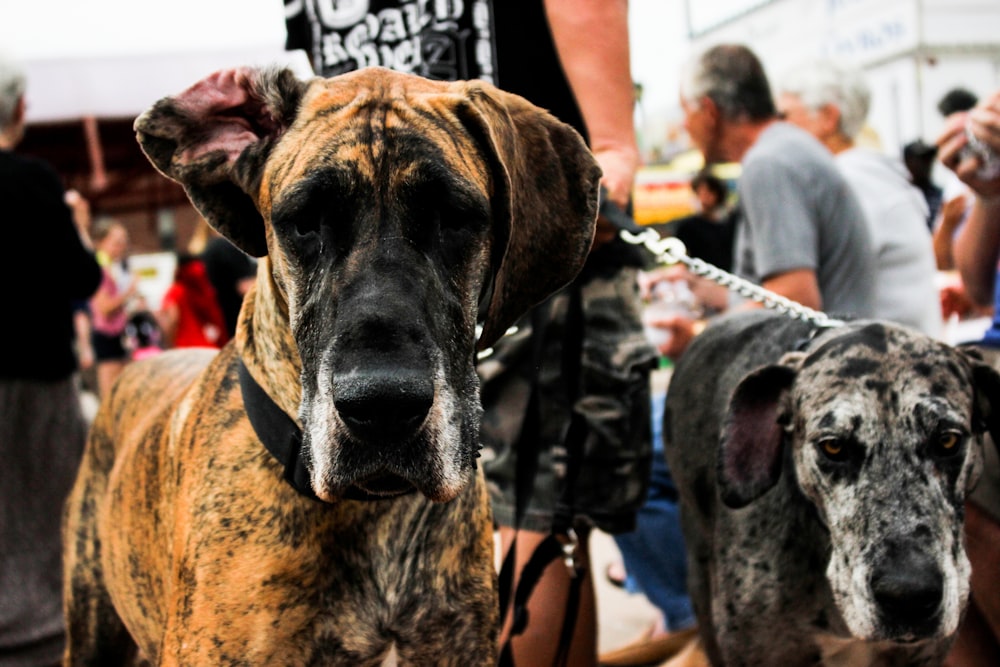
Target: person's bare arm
pixel 977 248
pixel 943 238
pixel 798 285
pixel 978 243
pixel 592 39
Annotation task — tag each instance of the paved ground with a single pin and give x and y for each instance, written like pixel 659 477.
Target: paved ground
pixel 621 616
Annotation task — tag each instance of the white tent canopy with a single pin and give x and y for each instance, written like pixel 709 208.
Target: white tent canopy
pixel 113 58
pixel 116 87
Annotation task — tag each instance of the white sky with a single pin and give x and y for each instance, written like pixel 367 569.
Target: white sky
pixel 39 30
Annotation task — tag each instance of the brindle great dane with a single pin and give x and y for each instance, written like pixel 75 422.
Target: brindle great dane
pixel 390 213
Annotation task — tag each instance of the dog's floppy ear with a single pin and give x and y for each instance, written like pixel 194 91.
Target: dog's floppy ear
pixel 986 381
pixel 750 450
pixel 213 138
pixel 544 202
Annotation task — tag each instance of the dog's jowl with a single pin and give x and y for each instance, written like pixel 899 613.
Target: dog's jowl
pixel 823 475
pixel 309 495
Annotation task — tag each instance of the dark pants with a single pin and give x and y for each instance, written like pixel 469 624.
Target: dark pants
pixel 42 434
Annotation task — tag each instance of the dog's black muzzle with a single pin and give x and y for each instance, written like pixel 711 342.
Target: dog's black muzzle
pixel 386 405
pixel 908 587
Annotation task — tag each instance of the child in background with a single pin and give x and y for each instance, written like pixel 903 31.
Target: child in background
pixel 109 307
pixel 190 315
pixel 143 335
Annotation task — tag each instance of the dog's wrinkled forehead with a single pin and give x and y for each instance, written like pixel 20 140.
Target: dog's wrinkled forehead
pixel 357 132
pixel 881 358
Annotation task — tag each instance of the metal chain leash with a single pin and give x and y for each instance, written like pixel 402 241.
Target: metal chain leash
pixel 671 251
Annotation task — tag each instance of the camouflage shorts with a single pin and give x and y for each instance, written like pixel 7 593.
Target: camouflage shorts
pixel 612 397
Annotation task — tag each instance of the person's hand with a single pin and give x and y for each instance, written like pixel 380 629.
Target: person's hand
pixel 681 329
pixel 984 122
pixel 649 279
pixel 80 208
pixel 954 301
pixel 954 148
pixel 619 165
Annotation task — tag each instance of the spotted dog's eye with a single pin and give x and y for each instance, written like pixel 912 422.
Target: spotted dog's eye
pixel 946 443
pixel 834 449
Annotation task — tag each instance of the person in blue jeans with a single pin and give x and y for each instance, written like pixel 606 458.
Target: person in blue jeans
pixel 653 554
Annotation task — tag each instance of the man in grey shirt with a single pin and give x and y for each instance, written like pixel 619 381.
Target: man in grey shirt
pixel 801 232
pixel 798 215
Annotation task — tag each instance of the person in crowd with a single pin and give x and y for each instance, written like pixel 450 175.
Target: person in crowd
pixel 919 158
pixel 956 197
pixel 81 308
pixel 655 548
pixel 190 315
pixel 800 230
pixel 110 305
pixel 42 426
pixel 143 336
pixel 654 563
pixel 970 146
pixel 232 273
pixel 830 100
pixel 572 58
pixel 708 234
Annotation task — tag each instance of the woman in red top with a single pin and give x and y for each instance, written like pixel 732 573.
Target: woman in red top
pixel 190 315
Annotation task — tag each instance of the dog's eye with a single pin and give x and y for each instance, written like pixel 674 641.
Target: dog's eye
pixel 833 449
pixel 307 224
pixel 946 443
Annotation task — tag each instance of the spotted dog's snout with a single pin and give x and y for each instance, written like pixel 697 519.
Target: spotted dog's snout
pixel 384 405
pixel 908 588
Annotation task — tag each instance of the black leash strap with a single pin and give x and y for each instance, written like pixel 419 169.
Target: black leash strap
pixel 526 469
pixel 576 434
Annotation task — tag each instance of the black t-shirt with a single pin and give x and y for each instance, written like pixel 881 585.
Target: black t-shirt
pixel 706 239
pixel 506 43
pixel 36 340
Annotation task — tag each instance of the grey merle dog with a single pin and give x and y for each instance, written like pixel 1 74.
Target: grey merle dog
pixel 822 476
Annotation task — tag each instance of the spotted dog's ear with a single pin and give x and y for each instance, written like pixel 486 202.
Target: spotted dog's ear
pixel 986 384
pixel 750 449
pixel 213 139
pixel 544 202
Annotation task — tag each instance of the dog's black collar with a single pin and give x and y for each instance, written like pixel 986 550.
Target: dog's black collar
pixel 282 437
pixel 802 344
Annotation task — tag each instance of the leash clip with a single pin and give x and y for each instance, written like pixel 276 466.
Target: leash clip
pixel 667 250
pixel 570 544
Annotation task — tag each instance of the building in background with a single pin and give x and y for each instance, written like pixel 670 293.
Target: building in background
pixel 912 50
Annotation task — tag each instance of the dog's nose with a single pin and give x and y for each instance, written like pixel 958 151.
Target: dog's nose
pixel 384 406
pixel 908 588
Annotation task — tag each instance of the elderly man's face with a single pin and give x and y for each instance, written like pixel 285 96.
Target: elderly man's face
pixel 701 122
